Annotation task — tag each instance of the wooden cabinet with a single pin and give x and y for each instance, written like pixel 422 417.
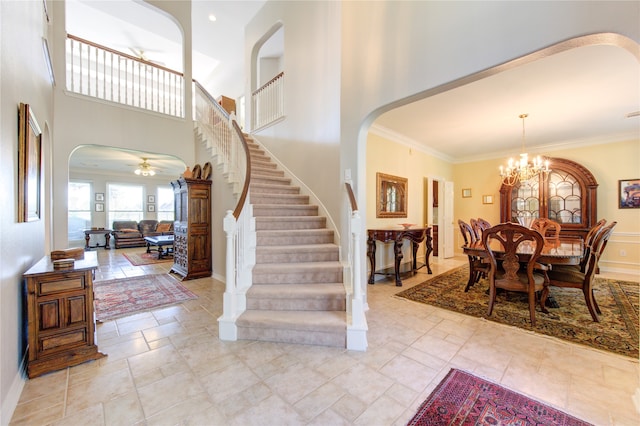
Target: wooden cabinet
pixel 60 318
pixel 228 104
pixel 568 196
pixel 192 228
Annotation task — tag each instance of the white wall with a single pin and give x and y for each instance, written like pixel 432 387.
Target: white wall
pixel 23 78
pixel 81 121
pixel 308 140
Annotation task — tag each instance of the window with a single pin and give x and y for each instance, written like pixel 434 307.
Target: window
pixel 125 202
pixel 165 203
pixel 79 202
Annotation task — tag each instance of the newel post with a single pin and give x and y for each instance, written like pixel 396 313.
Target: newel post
pixel 227 326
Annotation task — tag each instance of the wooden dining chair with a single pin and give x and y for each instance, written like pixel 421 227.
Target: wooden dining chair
pixel 478 226
pixel 568 278
pixel 550 229
pixel 477 267
pixel 517 270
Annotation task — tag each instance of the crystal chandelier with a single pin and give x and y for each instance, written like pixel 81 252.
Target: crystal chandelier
pixel 144 169
pixel 523 170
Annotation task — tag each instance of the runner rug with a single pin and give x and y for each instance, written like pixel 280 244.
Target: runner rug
pixel 616 332
pixel 139 259
pixel 461 398
pixel 127 296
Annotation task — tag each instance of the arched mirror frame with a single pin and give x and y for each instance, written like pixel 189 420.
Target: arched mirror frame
pixel 588 191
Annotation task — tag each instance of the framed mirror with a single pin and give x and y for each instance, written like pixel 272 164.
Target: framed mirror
pixel 391 196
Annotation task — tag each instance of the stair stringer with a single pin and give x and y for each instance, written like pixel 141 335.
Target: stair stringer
pixel 204 137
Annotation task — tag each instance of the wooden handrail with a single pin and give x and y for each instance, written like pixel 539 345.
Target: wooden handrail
pixel 210 98
pixel 133 58
pixel 247 176
pixel 267 83
pixel 352 198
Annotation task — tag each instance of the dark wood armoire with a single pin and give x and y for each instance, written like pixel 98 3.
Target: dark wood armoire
pixel 192 228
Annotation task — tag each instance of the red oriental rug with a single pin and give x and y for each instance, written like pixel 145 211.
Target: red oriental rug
pixel 127 296
pixel 463 399
pixel 139 259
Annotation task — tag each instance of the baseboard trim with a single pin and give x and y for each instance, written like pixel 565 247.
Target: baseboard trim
pixel 10 402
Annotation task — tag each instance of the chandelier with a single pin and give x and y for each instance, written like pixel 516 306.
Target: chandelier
pixel 144 169
pixel 523 169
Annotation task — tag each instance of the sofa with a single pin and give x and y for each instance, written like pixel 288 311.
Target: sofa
pixel 129 233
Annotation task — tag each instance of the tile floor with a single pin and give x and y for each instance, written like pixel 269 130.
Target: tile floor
pixel 168 367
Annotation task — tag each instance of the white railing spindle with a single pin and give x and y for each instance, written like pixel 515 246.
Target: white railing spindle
pixel 103 73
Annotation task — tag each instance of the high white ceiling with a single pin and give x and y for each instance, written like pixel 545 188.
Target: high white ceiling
pixel 572 98
pixel 576 97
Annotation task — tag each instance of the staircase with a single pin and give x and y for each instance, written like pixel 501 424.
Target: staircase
pixel 298 294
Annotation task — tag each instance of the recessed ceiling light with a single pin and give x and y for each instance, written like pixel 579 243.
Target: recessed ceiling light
pixel 212 17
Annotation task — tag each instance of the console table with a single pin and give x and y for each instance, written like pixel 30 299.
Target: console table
pixel 89 232
pixel 415 235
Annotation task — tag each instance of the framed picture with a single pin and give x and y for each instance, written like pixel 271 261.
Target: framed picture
pixel 487 199
pixel 151 207
pixel 151 198
pixel 99 207
pixel 29 171
pixel 99 196
pixel 466 193
pixel 629 194
pixel 391 196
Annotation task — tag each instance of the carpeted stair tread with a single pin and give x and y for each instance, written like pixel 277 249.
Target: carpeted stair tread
pixel 298 273
pixel 294 236
pixel 297 253
pixel 332 321
pixel 274 223
pixel 299 297
pixel 285 210
pixel 266 198
pixel 259 188
pixel 273 180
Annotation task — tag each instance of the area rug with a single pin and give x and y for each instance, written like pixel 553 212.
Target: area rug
pixel 616 332
pixel 463 399
pixel 139 259
pixel 127 296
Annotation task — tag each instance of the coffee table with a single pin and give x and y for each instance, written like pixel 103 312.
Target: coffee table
pixel 161 241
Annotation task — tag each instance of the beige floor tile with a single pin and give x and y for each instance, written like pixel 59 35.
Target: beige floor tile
pixel 168 391
pixel 167 366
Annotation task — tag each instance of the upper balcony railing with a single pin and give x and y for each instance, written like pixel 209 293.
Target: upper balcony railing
pixel 268 103
pixel 103 73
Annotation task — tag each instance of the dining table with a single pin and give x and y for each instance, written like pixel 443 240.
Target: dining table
pixel 556 251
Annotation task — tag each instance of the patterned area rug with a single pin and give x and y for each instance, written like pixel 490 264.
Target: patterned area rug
pixel 461 398
pixel 616 332
pixel 127 296
pixel 139 259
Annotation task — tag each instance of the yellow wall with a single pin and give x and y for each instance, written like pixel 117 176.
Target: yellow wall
pixel 396 159
pixel 608 162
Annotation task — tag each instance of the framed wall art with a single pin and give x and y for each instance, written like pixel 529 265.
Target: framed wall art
pixel 629 194
pixel 151 198
pixel 99 196
pixel 466 193
pixel 487 199
pixel 29 165
pixel 391 195
pixel 99 207
pixel 151 207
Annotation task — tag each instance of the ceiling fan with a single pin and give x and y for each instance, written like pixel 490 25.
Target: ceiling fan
pixel 145 169
pixel 142 55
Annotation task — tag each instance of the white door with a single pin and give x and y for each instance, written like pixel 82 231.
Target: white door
pixel 448 219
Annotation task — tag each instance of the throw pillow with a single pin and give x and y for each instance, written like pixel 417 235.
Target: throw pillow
pixel 163 227
pixel 128 230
